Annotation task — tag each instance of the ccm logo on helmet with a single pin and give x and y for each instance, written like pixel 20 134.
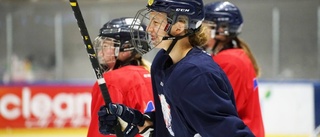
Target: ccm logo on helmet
pixel 182 10
pixel 223 19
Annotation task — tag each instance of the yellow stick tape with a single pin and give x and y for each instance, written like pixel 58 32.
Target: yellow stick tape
pixel 73 4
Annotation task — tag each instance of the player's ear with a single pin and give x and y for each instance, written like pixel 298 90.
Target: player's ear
pixel 178 28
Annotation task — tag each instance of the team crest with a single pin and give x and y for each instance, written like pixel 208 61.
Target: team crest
pixel 166 113
pixel 150 107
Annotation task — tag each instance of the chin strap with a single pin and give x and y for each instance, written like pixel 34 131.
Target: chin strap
pixel 174 41
pixel 176 38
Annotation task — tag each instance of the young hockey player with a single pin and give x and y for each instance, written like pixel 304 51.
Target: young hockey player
pixel 234 56
pixel 126 73
pixel 192 94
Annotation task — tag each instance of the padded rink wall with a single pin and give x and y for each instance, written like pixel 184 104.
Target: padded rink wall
pixel 290 109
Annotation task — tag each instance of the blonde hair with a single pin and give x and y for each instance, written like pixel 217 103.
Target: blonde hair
pixel 247 50
pixel 142 62
pixel 200 37
pixel 146 64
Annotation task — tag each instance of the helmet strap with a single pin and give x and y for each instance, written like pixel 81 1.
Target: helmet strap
pixel 176 38
pixel 174 41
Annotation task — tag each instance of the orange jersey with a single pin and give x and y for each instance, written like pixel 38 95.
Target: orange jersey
pixel 128 85
pixel 241 74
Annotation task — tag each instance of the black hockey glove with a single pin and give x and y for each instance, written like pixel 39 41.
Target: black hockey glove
pixel 107 121
pixel 131 117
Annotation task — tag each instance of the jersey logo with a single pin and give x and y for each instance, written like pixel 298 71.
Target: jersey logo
pixel 166 113
pixel 146 75
pixel 161 84
pixel 150 107
pixel 255 83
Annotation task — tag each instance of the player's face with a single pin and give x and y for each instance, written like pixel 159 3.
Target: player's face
pixel 106 51
pixel 157 27
pixel 211 33
pixel 222 32
pixel 124 55
pixel 215 32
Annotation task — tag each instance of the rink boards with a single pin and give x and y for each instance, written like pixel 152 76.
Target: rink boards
pixel 289 108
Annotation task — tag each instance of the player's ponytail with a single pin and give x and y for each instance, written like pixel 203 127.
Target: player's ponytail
pixel 241 44
pixel 199 38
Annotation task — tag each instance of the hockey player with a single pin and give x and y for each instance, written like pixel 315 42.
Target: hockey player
pixel 234 56
pixel 192 94
pixel 126 73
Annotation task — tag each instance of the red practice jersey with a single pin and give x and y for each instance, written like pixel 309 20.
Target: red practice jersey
pixel 241 74
pixel 128 85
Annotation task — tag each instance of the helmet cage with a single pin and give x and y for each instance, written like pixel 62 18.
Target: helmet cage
pixel 193 9
pixel 119 29
pixel 143 16
pixel 107 50
pixel 226 22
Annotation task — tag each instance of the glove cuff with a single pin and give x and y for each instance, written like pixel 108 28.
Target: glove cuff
pixel 139 118
pixel 149 116
pixel 131 130
pixel 146 132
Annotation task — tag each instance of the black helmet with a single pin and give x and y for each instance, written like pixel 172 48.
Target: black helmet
pixel 193 9
pixel 119 29
pixel 189 11
pixel 115 35
pixel 225 13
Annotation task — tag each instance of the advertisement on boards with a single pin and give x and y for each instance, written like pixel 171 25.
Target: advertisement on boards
pixel 45 106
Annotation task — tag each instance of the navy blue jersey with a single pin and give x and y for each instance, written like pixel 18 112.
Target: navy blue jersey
pixel 194 97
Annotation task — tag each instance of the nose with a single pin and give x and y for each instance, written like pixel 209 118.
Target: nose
pixel 100 53
pixel 221 29
pixel 149 28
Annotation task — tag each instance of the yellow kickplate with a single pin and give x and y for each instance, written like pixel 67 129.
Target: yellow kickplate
pixel 44 132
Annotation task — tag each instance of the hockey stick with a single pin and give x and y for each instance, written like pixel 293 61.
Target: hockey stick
pixel 93 58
